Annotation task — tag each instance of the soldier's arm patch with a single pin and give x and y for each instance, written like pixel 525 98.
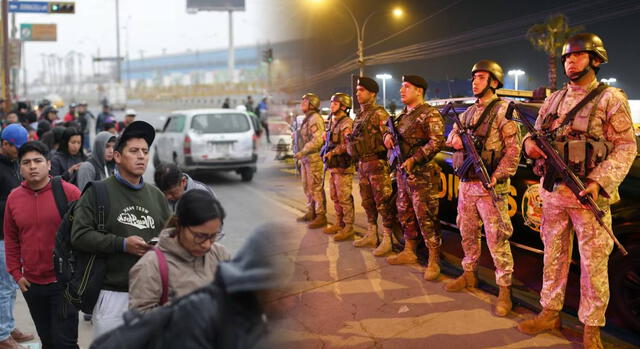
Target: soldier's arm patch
pixel 509 129
pixel 313 128
pixel 435 124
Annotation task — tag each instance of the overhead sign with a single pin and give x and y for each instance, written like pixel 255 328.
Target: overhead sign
pixel 29 6
pixel 38 32
pixel 215 5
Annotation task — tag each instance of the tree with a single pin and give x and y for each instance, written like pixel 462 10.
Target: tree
pixel 549 37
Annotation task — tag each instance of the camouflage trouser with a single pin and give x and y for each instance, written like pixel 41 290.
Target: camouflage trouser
pixel 375 190
pixel 311 173
pixel 418 205
pixel 340 186
pixel 594 244
pixel 473 210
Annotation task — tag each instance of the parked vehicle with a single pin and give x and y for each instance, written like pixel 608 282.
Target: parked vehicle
pixel 209 140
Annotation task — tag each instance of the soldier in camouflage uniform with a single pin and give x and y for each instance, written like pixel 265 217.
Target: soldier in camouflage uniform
pixel 311 131
pixel 598 143
pixel 420 129
pixel 498 143
pixel 365 145
pixel 340 167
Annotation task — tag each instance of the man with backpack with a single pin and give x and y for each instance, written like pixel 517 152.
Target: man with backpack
pixel 31 219
pixel 137 213
pixel 100 164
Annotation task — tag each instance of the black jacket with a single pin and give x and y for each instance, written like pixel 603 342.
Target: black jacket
pixel 9 179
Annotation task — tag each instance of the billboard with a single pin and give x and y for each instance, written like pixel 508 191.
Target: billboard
pixel 215 5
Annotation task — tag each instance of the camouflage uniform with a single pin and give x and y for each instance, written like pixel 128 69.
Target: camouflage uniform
pixel 311 132
pixel 341 178
pixel 606 116
pixel 373 168
pixel 421 133
pixel 475 206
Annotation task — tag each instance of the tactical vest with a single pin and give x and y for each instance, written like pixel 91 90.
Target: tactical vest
pixel 490 157
pixel 413 136
pixel 581 150
pixel 305 134
pixel 343 160
pixel 366 140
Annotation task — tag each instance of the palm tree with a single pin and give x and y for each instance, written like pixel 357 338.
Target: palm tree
pixel 549 37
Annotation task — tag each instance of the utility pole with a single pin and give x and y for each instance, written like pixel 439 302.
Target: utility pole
pixel 118 64
pixel 5 56
pixel 232 57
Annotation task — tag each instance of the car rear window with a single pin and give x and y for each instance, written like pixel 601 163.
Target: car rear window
pixel 220 123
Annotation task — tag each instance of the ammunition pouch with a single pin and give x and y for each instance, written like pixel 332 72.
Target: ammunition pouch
pixel 580 155
pixel 340 161
pixel 465 171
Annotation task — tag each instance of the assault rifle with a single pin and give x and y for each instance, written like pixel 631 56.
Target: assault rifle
pixel 327 147
pixel 472 158
pixel 554 160
pixel 295 133
pixel 395 158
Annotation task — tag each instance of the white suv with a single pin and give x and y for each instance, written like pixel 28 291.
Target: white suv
pixel 209 139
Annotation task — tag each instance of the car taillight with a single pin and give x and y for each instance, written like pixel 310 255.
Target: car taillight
pixel 254 140
pixel 187 145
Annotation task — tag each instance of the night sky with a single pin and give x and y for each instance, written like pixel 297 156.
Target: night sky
pixel 331 38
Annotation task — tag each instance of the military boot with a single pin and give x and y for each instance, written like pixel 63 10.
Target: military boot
pixel 370 239
pixel 307 217
pixel 433 266
pixel 544 321
pixel 468 279
pixel 385 245
pixel 504 305
pixel 332 229
pixel 344 233
pixel 591 338
pixel 407 256
pixel 319 222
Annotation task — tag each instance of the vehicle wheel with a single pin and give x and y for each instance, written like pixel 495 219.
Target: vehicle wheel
pixel 624 276
pixel 246 174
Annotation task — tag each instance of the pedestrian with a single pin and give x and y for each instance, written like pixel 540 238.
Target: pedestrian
pixel 102 117
pixel 48 120
pixel 311 132
pixel 366 146
pixel 30 224
pixel 129 117
pixel 420 134
pixel 340 166
pixel 226 104
pixel 263 113
pixel 604 124
pixel 70 155
pixel 13 137
pixel 71 115
pixel 249 104
pixel 138 212
pixel 11 118
pixel 174 183
pixel 100 164
pixel 189 246
pixel 85 119
pixel 498 143
pixel 52 139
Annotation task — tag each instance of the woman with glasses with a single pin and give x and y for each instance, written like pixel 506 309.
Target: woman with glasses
pixel 189 246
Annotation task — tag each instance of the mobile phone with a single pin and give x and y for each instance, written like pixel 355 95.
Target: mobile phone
pixel 152 242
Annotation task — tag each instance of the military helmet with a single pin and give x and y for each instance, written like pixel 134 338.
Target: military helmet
pixel 492 68
pixel 314 100
pixel 343 99
pixel 585 42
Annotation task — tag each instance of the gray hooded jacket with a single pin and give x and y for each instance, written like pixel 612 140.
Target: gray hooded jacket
pixel 87 171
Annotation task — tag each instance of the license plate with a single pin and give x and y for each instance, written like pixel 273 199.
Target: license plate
pixel 220 148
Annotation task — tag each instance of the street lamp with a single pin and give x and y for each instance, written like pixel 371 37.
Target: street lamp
pixel 516 73
pixel 384 78
pixel 396 12
pixel 609 81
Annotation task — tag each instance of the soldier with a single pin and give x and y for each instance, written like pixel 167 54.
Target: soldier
pixel 603 128
pixel 366 146
pixel 420 129
pixel 311 131
pixel 498 143
pixel 341 168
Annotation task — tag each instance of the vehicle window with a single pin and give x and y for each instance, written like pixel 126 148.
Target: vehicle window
pixel 279 128
pixel 175 123
pixel 220 123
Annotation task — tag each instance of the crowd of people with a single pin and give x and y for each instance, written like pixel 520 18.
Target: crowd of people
pixel 173 227
pixel 588 123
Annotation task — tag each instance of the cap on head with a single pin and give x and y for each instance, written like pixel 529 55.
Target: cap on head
pixel 136 129
pixel 585 42
pixel 130 112
pixel 369 84
pixel 314 100
pixel 15 134
pixel 417 81
pixel 490 67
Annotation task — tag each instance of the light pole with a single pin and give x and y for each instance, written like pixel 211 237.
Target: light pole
pixel 516 73
pixel 384 78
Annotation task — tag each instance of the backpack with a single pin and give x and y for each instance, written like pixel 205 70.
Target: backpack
pixel 79 273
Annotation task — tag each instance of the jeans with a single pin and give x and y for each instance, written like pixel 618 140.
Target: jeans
pixel 55 318
pixel 8 289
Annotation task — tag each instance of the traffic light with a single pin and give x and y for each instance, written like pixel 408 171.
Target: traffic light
pixel 267 55
pixel 62 7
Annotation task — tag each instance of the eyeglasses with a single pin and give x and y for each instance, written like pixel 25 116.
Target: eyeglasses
pixel 199 238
